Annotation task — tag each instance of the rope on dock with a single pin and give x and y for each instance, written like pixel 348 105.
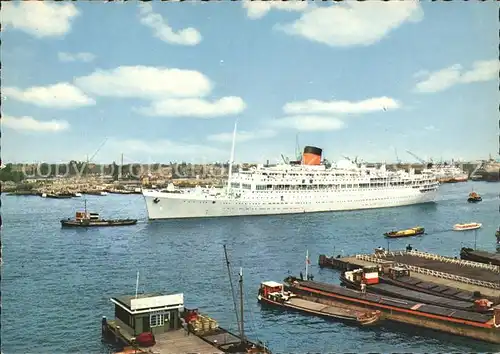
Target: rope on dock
pixel 435 273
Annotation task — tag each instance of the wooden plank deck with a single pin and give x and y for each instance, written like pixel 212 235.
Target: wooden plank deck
pixel 178 342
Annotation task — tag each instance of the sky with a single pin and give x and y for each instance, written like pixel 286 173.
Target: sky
pixel 167 81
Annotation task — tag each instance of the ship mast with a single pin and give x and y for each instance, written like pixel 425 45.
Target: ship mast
pixel 307 264
pixel 242 331
pixel 232 292
pixel 231 160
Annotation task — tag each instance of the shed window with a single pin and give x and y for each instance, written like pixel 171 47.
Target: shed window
pixel 157 319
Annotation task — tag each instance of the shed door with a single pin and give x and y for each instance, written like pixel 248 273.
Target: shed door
pixel 145 324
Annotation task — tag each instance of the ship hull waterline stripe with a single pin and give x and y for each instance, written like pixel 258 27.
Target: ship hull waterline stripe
pixel 422 314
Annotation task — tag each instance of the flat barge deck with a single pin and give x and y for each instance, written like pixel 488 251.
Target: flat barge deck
pixel 485 327
pixel 396 291
pixel 480 256
pixel 445 265
pixel 462 274
pixel 273 294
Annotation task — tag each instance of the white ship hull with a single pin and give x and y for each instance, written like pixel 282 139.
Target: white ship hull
pixel 161 205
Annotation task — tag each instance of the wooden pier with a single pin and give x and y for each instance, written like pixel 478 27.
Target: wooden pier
pixel 171 342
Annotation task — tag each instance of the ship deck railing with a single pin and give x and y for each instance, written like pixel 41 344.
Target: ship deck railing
pixel 443 259
pixel 434 273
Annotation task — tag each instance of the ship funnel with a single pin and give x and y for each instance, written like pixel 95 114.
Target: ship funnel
pixel 311 155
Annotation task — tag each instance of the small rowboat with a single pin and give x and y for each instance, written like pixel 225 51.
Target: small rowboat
pixel 467 226
pixel 414 231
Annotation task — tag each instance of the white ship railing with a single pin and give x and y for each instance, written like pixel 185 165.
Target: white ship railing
pixel 435 273
pixel 443 259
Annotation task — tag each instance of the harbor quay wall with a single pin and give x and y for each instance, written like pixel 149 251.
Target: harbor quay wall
pixel 491 335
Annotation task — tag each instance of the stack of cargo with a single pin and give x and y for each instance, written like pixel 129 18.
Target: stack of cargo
pixel 204 324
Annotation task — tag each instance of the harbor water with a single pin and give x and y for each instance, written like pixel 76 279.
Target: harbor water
pixel 56 283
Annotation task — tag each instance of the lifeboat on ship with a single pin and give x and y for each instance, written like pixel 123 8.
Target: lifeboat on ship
pixel 467 226
pixel 414 231
pixel 474 197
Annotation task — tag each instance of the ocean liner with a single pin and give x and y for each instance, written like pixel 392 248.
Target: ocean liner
pixel 304 186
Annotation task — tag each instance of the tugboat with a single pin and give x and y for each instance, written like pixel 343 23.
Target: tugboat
pixel 85 219
pixel 414 231
pixel 474 198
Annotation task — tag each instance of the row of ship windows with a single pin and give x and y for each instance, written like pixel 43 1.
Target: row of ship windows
pixel 281 203
pixel 317 186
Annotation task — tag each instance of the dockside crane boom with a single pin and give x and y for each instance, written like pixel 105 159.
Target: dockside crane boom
pixel 422 161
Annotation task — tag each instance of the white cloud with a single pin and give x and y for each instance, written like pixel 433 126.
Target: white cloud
pixel 27 123
pixel 258 9
pixel 61 95
pixel 38 18
pixel 440 80
pixel 82 56
pixel 195 107
pixel 482 70
pixel 308 123
pixel 187 36
pixel 353 23
pixel 242 136
pixel 145 82
pixel 333 107
pixel 431 128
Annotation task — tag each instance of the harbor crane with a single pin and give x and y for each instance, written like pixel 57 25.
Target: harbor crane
pixel 422 161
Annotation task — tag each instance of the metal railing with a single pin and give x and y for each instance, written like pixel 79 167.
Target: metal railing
pixel 435 273
pixel 460 262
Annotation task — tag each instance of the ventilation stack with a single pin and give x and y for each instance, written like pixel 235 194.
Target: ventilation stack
pixel 311 156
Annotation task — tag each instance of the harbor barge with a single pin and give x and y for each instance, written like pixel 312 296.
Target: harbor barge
pixel 480 256
pixel 153 323
pixel 356 278
pixel 442 270
pixel 401 277
pixel 484 327
pixel 273 294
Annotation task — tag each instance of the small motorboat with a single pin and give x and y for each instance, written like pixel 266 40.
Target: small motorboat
pixel 467 226
pixel 414 231
pixel 84 219
pixel 474 197
pixel 273 294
